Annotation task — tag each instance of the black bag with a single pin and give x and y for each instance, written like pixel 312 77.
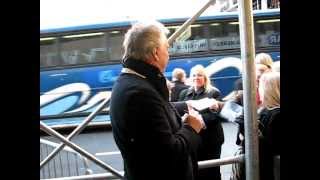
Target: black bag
pixel 238 169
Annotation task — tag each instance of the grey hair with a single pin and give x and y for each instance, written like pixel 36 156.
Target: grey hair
pixel 142 38
pixel 178 74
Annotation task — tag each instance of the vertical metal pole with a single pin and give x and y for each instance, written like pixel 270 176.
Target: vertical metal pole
pixel 249 85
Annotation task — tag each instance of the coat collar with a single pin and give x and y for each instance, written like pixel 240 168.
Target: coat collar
pixel 143 68
pixel 152 74
pixel 191 91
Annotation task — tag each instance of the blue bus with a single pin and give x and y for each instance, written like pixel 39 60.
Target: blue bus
pixel 79 65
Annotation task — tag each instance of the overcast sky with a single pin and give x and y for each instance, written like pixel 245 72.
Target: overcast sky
pixel 60 13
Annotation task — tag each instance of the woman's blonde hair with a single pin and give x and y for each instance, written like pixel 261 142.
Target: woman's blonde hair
pixel 270 87
pixel 265 59
pixel 142 38
pixel 199 69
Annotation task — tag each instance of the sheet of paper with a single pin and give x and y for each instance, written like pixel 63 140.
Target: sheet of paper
pixel 231 110
pixel 202 103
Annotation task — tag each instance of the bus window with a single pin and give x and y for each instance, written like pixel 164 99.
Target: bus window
pixel 267 32
pixel 224 35
pixel 48 52
pixel 114 44
pixel 82 48
pixel 194 40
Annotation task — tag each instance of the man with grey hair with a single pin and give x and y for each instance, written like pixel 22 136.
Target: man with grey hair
pixel 178 81
pixel 154 141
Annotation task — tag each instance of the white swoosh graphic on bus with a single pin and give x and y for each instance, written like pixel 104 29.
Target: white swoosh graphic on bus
pixel 224 63
pixel 99 97
pixel 65 90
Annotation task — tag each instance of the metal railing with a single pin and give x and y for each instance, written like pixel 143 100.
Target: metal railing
pixel 202 165
pixel 67 162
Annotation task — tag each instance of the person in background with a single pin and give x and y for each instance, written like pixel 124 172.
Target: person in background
pixel 237 94
pixel 263 63
pixel 213 136
pixel 153 140
pixel 178 82
pixel 269 124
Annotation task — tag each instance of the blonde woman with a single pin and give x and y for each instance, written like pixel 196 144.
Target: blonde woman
pixel 269 124
pixel 213 136
pixel 263 63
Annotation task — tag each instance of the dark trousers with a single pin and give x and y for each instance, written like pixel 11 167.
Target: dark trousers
pixel 212 173
pixel 210 149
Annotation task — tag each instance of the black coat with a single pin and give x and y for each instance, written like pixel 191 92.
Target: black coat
pixel 176 89
pixel 210 117
pixel 153 142
pixel 212 137
pixel 269 140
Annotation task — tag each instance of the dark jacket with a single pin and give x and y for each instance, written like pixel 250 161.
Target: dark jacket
pixel 176 89
pixel 210 117
pixel 153 142
pixel 212 137
pixel 269 140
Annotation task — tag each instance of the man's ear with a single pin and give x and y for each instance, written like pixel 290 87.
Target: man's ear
pixel 155 54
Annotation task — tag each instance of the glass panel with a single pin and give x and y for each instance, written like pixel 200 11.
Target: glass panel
pixel 114 44
pixel 267 32
pixel 224 35
pixel 83 48
pixel 192 40
pixel 48 52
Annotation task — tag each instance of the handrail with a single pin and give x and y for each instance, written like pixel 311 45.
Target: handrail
pixel 88 155
pixel 222 161
pixel 91 176
pixel 53 144
pixel 202 164
pixel 67 150
pixel 75 132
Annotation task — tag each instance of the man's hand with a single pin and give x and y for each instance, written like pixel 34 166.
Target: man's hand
pixel 194 119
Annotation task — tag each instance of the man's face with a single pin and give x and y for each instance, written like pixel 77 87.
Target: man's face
pixel 163 53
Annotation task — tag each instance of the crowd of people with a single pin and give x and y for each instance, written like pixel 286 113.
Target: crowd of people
pixel 157 128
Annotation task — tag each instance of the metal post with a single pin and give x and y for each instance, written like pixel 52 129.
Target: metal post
pixel 249 85
pixel 185 25
pixel 79 128
pixel 88 155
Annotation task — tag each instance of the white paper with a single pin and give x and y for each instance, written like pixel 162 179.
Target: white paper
pixel 231 110
pixel 202 103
